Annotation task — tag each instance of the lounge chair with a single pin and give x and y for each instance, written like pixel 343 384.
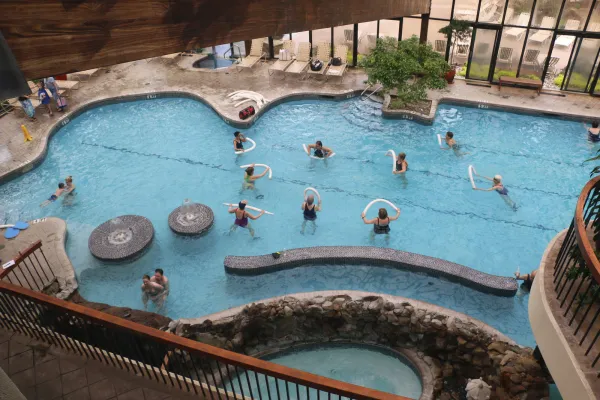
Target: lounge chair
pixel 505 56
pixel 551 65
pixel 488 12
pixel 324 55
pixel 340 51
pixel 440 47
pixel 16 105
pixel 567 40
pixel 516 33
pixel 531 59
pixel 256 54
pixel 349 37
pixel 299 65
pixel 462 50
pixel 85 74
pixel 542 36
pixel 167 58
pixel 281 65
pixel 68 85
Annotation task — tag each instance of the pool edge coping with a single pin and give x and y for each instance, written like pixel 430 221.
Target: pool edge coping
pixel 29 164
pixel 377 257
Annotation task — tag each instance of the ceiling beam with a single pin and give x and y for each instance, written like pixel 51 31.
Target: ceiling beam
pixel 49 37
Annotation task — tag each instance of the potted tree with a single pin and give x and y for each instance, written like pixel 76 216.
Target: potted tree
pixel 456 31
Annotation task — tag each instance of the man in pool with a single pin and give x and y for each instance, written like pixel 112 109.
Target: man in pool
pixel 160 279
pixel 452 145
pixel 319 150
pixel 499 187
pixel 309 209
pixel 238 141
pixel 56 195
pixel 150 291
pixel 242 217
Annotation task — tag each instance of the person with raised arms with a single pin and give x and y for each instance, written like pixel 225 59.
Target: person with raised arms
pixel 320 151
pixel 309 210
pixel 381 224
pixel 242 217
pixel 238 141
pixel 250 178
pixel 499 187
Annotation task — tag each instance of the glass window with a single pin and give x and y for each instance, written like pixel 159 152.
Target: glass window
pixel 574 15
pixel 509 52
pixel 278 43
pixel 411 27
pixel 491 12
pixel 594 25
pixel 482 54
pixel 299 37
pixel 367 37
pixel 441 9
pixel 519 12
pixel 546 12
pixel 557 65
pixel 459 52
pixel 583 65
pixel 465 9
pixel 344 35
pixel 389 28
pixel 535 54
pixel 321 36
pixel 239 49
pixel 436 39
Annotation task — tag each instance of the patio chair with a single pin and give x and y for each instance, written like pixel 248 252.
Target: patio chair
pixel 531 58
pixel 340 51
pixel 349 37
pixel 488 13
pixel 440 47
pixel 516 33
pixel 168 58
pixel 85 74
pixel 566 40
pixel 299 65
pixel 542 36
pixel 323 54
pixel 505 56
pixel 256 54
pixel 551 65
pixel 281 65
pixel 462 50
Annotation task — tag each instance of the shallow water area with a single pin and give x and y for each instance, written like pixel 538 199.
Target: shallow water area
pixel 146 157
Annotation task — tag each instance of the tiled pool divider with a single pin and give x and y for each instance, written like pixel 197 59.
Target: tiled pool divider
pixel 202 218
pixel 379 256
pixel 121 238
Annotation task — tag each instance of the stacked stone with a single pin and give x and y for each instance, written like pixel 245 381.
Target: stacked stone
pixel 453 349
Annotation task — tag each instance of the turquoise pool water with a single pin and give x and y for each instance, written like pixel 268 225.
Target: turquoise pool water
pixel 377 369
pixel 145 157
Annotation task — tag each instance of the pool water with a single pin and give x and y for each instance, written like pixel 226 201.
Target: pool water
pixel 146 157
pixel 377 369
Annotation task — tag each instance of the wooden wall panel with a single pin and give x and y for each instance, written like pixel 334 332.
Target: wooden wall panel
pixel 50 37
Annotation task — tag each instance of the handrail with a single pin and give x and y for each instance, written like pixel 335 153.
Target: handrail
pixel 587 250
pixel 22 255
pixel 192 347
pixel 232 52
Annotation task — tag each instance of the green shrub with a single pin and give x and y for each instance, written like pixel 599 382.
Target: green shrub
pixel 577 81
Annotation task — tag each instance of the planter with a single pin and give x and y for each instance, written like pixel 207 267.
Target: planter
pixel 450 76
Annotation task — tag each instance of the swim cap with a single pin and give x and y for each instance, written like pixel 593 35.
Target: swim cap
pixel 498 177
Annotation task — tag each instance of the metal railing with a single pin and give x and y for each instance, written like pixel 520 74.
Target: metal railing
pixel 577 274
pixel 30 269
pixel 181 363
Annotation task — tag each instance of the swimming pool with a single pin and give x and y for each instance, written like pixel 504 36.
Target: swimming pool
pixel 145 157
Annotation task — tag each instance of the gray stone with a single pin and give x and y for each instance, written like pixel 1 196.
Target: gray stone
pixel 288 312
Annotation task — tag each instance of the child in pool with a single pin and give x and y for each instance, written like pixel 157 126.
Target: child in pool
pixel 56 195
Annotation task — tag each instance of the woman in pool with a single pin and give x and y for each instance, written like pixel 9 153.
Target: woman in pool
pixel 499 187
pixel 401 164
pixel 309 209
pixel 238 141
pixel 319 150
pixel 69 185
pixel 242 217
pixel 249 177
pixel 594 132
pixel 381 224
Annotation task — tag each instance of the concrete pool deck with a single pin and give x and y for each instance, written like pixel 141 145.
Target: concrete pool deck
pixel 149 78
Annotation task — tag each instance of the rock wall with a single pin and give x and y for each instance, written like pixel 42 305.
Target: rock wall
pixel 454 346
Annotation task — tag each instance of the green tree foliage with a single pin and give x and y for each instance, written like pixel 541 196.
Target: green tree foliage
pixel 409 67
pixel 458 31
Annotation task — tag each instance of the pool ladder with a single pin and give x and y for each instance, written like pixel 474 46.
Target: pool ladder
pixel 370 94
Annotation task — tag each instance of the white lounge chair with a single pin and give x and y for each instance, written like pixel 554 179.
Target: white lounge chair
pixel 542 36
pixel 281 65
pixel 87 74
pixel 340 51
pixel 440 47
pixel 567 40
pixel 302 60
pixel 516 33
pixel 531 59
pixel 167 58
pixel 68 85
pixel 505 56
pixel 256 54
pixel 324 55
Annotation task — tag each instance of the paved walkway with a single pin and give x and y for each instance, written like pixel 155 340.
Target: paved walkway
pixel 43 372
pixel 147 77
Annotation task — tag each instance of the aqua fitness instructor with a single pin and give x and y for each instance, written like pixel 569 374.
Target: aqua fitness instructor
pixel 320 151
pixel 242 217
pixel 238 141
pixel 381 224
pixel 499 187
pixel 249 177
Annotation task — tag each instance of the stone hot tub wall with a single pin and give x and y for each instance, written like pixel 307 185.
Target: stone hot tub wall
pixel 453 346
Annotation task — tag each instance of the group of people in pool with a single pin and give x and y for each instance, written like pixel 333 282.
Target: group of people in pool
pixel 65 188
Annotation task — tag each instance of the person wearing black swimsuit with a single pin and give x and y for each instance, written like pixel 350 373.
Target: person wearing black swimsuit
pixel 320 150
pixel 381 224
pixel 309 209
pixel 594 132
pixel 238 141
pixel 401 164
